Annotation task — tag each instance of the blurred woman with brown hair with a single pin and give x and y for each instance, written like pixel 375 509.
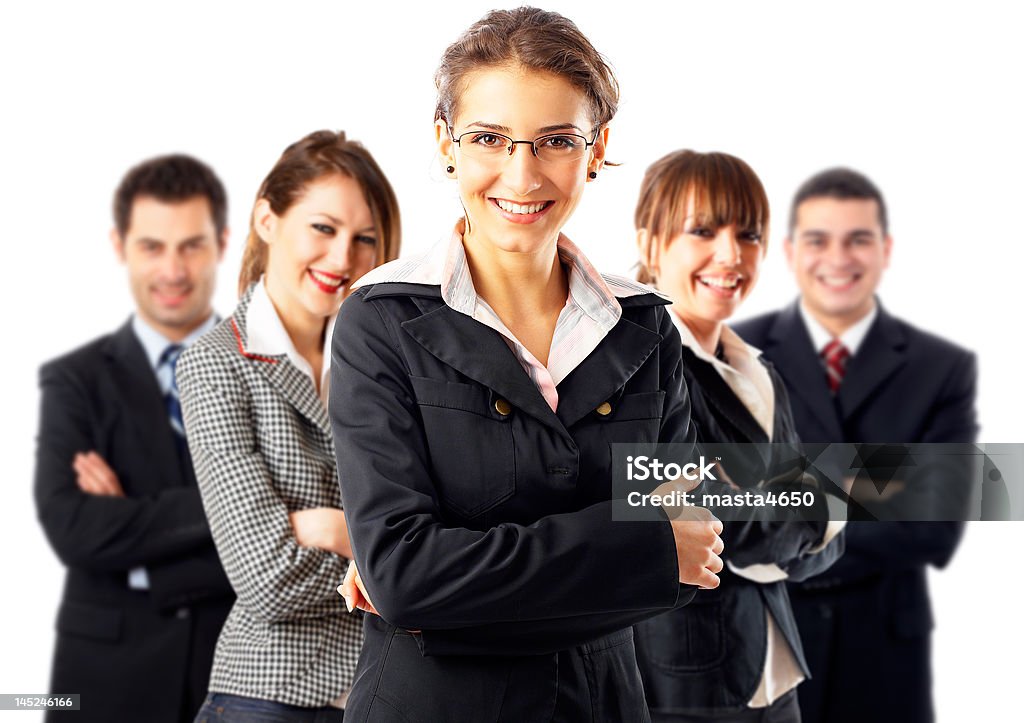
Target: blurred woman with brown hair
pixel 735 654
pixel 253 392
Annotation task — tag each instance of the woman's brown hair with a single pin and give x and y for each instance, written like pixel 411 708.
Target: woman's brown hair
pixel 532 38
pixel 725 191
pixel 320 154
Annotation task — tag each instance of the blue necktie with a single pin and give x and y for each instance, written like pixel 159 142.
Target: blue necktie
pixel 171 400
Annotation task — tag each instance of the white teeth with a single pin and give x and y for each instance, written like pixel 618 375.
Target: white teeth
pixel 520 208
pixel 327 280
pixel 719 282
pixel 836 280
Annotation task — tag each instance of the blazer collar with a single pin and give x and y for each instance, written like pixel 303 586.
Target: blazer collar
pixel 606 370
pixel 294 385
pixel 481 354
pixel 718 393
pixel 142 400
pixel 792 352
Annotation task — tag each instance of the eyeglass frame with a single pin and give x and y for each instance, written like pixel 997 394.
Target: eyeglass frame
pixel 513 142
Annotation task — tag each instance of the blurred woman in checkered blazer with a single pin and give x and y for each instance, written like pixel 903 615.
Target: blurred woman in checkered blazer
pixel 253 392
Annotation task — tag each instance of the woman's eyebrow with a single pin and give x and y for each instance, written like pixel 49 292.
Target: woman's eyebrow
pixel 491 126
pixel 560 127
pixel 545 129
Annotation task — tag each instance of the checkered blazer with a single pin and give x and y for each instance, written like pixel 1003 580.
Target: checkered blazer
pixel 262 447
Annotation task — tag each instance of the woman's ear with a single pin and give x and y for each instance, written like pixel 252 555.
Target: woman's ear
pixel 646 247
pixel 264 220
pixel 597 153
pixel 445 147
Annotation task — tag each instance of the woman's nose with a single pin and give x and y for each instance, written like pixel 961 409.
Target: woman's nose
pixel 727 247
pixel 340 251
pixel 522 172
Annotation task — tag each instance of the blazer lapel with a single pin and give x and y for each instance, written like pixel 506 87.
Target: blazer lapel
pixel 623 350
pixel 297 388
pixel 718 392
pixel 881 354
pixel 481 354
pixel 293 384
pixel 143 401
pixel 793 355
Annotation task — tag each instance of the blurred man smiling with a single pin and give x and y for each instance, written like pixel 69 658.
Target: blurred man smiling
pixel 858 374
pixel 145 595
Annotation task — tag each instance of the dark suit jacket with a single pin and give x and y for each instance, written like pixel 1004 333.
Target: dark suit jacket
pixel 866 622
pixel 709 656
pixel 133 655
pixel 493 532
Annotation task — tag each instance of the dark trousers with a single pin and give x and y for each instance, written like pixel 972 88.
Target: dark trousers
pixel 225 708
pixel 784 710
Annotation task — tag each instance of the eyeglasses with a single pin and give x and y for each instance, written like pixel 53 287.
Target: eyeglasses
pixel 554 148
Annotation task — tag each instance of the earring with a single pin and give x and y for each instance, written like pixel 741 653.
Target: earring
pixel 450 169
pixel 593 175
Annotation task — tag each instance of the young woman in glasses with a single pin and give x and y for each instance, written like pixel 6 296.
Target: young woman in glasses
pixel 476 393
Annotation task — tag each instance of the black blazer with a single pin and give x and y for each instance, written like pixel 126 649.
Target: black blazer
pixel 866 621
pixel 483 519
pixel 709 656
pixel 133 655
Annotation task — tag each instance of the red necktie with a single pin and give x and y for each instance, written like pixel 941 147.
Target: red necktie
pixel 835 355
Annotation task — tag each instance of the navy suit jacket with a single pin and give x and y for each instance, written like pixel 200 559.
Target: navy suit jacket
pixel 903 385
pixel 132 654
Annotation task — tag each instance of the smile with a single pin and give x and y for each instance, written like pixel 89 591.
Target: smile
pixel 521 212
pixel 520 207
pixel 723 286
pixel 838 282
pixel 326 282
pixel 172 296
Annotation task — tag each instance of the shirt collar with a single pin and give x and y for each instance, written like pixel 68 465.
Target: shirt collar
pixel 852 338
pixel 732 344
pixel 586 286
pixel 445 265
pixel 154 343
pixel 266 335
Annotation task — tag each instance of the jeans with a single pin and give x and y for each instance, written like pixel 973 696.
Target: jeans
pixel 225 708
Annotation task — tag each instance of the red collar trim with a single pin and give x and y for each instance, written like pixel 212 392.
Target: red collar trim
pixel 243 352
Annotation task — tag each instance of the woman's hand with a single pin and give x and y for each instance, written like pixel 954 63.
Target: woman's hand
pixel 354 592
pixel 698 546
pixel 322 527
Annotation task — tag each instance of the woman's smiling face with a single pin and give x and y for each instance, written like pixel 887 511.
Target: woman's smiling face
pixel 518 203
pixel 707 270
pixel 319 247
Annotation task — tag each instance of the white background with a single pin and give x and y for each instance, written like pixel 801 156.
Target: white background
pixel 924 99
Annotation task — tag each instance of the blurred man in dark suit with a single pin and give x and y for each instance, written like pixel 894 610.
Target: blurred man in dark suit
pixel 145 595
pixel 858 374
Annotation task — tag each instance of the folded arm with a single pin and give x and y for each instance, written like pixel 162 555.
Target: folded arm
pixel 272 574
pixel 105 533
pixel 423 574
